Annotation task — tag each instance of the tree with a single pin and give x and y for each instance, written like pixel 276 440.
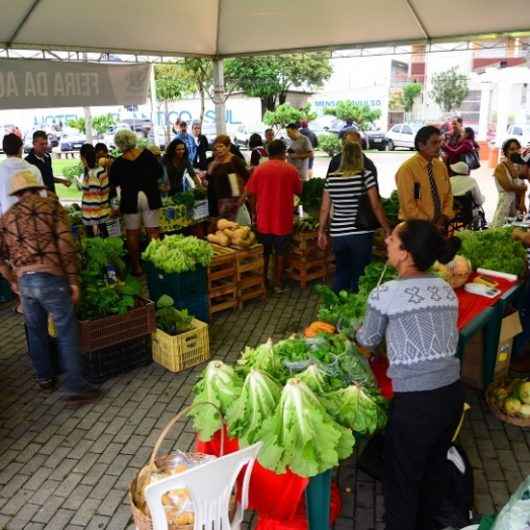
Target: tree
pixel 449 89
pixel 103 123
pixel 329 143
pixel 77 123
pixel 409 94
pixel 172 82
pixel 200 72
pixel 270 77
pixel 361 115
pixel 286 114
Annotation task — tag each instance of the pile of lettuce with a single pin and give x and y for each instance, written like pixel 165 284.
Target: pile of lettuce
pixel 106 287
pixel 493 249
pixel 178 253
pixel 304 398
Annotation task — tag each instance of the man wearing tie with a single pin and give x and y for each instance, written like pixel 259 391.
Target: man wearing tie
pixel 423 183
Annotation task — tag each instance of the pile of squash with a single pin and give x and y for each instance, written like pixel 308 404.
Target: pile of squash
pixel 232 234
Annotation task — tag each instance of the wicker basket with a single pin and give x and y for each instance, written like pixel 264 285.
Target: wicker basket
pixel 179 352
pixel 142 520
pixel 496 411
pixel 111 330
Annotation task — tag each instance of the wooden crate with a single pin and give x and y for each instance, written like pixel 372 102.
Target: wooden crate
pixel 305 269
pixel 304 243
pixel 249 262
pixel 250 288
pixel 222 283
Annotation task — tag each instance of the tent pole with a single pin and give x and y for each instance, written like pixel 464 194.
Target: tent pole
pixel 88 116
pixel 154 104
pixel 219 95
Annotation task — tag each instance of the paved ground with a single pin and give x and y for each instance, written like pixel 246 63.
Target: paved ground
pixel 70 469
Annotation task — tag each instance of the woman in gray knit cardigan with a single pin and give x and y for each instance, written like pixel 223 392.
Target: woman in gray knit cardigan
pixel 417 314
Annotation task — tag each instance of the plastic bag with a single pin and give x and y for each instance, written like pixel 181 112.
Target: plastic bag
pixel 177 503
pixel 516 513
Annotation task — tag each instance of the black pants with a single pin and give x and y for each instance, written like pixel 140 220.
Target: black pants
pixel 103 231
pixel 419 432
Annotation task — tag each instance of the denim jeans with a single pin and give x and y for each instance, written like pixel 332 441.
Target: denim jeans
pixel 42 294
pixel 352 254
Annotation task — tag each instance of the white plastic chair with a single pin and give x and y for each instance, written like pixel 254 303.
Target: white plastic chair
pixel 210 486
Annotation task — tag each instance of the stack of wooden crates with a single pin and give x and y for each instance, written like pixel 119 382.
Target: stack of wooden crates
pixel 306 261
pixel 235 276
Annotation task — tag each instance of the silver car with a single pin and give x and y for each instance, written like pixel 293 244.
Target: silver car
pixel 402 135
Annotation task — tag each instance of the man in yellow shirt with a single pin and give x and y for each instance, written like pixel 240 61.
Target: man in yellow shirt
pixel 423 183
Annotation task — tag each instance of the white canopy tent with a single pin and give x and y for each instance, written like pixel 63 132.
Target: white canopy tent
pixel 221 28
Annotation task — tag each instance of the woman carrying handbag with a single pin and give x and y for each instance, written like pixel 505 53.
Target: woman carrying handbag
pixel 352 192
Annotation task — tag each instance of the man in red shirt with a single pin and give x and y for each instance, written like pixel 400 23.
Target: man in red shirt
pixel 273 185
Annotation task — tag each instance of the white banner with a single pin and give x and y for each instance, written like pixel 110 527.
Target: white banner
pixel 36 83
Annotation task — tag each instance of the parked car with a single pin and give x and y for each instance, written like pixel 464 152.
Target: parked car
pixel 519 131
pixel 330 124
pixel 402 135
pixel 71 140
pixel 375 139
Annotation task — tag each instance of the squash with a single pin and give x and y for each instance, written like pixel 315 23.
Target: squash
pixel 318 327
pixel 241 233
pixel 219 238
pixel 223 224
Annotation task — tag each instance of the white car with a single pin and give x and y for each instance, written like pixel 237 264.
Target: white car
pixel 402 135
pixel 520 132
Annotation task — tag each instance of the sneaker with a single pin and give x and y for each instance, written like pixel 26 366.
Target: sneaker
pixel 278 289
pixel 47 385
pixel 85 398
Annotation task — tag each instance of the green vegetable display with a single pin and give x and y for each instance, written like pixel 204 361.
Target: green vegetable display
pixel 358 409
pixel 219 385
pixel 345 309
pixel 311 197
pixel 106 289
pixel 493 249
pixel 257 402
pixel 316 379
pixel 175 254
pixel 302 436
pixel 171 320
pixel 306 223
pixel 391 207
pixel 186 198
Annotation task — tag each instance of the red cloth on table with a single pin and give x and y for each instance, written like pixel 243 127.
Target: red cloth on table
pixel 299 521
pixel 469 307
pixel 264 484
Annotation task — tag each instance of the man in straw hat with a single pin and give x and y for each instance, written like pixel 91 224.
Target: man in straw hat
pixel 38 258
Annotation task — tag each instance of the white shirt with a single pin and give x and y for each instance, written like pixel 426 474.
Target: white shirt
pixel 9 167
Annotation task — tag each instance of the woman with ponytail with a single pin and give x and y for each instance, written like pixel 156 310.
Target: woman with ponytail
pixel 95 206
pixel 417 315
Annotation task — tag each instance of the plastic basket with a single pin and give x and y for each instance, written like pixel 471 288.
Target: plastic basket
pixel 108 331
pixel 179 352
pixel 200 210
pixel 100 365
pixel 177 285
pixel 6 295
pixel 500 414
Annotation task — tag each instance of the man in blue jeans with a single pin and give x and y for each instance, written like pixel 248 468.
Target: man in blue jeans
pixel 38 259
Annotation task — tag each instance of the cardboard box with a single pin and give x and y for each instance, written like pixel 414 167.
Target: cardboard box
pixel 510 328
pixel 472 362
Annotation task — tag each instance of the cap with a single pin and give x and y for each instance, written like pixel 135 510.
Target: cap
pixel 460 168
pixel 24 180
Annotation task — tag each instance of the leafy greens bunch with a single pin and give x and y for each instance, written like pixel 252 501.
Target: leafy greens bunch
pixel 175 254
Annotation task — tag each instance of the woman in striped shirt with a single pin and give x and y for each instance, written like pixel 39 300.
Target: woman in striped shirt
pixel 95 206
pixel 343 191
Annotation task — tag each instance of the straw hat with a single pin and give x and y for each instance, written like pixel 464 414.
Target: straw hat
pixel 460 168
pixel 24 180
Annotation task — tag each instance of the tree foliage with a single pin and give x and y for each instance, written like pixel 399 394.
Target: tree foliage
pixel 103 122
pixel 449 89
pixel 409 94
pixel 285 114
pixel 78 124
pixel 361 115
pixel 270 77
pixel 172 81
pixel 329 143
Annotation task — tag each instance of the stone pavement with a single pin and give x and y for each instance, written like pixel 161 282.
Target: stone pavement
pixel 62 468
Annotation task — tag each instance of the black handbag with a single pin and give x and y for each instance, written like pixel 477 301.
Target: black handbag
pixel 471 159
pixel 366 219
